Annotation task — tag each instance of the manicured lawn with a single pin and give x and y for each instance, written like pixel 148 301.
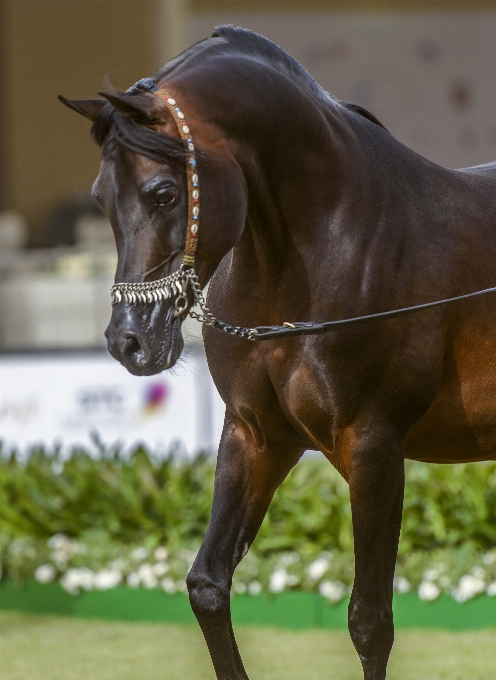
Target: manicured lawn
pixel 54 648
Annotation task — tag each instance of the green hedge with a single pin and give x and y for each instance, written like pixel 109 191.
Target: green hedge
pixel 111 505
pixel 140 496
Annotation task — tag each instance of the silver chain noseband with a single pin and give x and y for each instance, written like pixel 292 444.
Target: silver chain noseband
pixel 176 284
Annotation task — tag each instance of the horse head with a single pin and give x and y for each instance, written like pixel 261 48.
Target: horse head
pixel 143 188
pixel 270 178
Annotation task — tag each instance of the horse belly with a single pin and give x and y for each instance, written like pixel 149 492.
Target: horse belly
pixel 460 425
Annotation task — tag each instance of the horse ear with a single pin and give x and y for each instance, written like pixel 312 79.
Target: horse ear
pixel 89 108
pixel 143 108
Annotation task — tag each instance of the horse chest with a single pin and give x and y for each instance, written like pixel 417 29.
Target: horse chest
pixel 280 389
pixel 303 385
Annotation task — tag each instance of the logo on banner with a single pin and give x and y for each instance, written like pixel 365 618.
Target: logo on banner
pixel 155 398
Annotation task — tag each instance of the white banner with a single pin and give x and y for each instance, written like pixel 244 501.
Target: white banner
pixel 62 399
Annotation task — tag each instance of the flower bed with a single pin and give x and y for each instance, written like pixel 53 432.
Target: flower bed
pixel 98 523
pixel 95 564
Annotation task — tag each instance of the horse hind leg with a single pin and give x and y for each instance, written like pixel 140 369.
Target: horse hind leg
pixel 376 478
pixel 245 480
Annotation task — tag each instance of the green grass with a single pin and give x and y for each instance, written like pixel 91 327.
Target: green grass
pixel 54 648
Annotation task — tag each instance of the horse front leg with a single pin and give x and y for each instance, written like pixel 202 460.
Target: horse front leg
pixel 246 477
pixel 376 478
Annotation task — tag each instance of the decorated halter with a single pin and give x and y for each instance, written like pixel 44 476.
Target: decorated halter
pixel 176 284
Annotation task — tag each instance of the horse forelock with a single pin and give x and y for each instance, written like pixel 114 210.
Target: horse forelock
pixel 111 128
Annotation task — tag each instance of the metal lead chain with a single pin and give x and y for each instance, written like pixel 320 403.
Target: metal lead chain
pixel 175 285
pixel 208 318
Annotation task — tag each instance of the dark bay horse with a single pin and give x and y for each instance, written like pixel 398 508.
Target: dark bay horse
pixel 311 210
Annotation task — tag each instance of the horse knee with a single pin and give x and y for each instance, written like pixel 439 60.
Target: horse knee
pixel 207 598
pixel 372 632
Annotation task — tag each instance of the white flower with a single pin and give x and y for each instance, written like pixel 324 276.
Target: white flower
pixel 161 554
pixel 86 577
pixel 63 548
pixel 139 554
pixel 428 591
pixel 468 587
pixel 255 588
pixel 240 588
pixel 402 585
pixel 444 581
pixel 334 591
pixel 278 580
pixel 147 576
pixel 289 558
pixel 117 565
pixel 168 585
pixel 491 589
pixel 133 580
pixel 45 573
pixel 318 568
pixel 107 578
pixel 489 558
pixel 430 574
pixel 75 579
pixel 57 541
pixel 70 582
pixel 160 569
pixel 478 572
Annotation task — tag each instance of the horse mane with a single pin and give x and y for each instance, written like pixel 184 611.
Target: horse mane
pixel 255 44
pixel 111 127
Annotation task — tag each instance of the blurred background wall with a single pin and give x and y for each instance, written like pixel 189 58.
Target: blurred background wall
pixel 52 47
pixel 426 69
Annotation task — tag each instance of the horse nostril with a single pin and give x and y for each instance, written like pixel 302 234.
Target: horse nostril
pixel 133 351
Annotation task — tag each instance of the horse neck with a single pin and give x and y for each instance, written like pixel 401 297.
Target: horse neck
pixel 299 169
pixel 323 210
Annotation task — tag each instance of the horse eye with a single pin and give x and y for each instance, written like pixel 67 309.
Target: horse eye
pixel 165 196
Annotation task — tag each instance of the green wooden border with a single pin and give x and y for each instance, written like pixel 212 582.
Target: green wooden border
pixel 292 610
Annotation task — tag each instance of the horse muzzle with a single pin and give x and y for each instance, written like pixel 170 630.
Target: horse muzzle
pixel 145 342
